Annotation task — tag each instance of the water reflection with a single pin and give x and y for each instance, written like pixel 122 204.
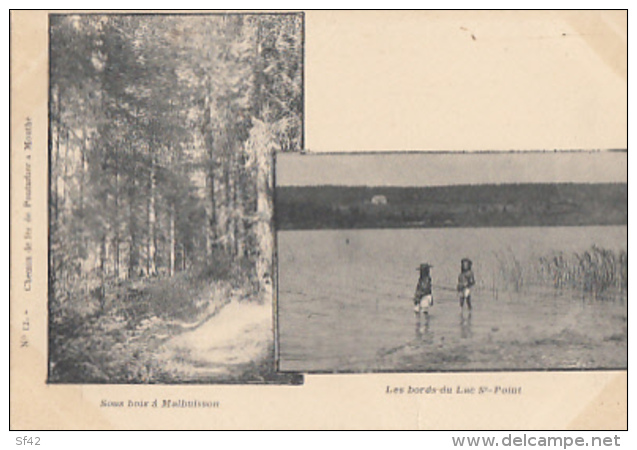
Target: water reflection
pixel 465 325
pixel 423 329
pixel 367 304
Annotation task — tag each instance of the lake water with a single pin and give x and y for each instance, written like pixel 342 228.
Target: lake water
pixel 345 302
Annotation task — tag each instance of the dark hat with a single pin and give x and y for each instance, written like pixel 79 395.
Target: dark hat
pixel 424 266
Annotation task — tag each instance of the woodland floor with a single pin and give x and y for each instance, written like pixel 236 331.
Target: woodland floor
pixel 224 346
pixel 171 330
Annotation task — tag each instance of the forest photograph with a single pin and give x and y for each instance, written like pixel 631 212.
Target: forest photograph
pixel 162 133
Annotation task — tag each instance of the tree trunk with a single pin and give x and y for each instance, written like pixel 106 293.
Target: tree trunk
pixel 151 246
pixel 82 170
pixel 230 205
pixel 209 201
pixel 102 289
pixel 116 222
pixel 65 177
pixel 133 252
pixel 264 225
pixel 222 205
pixel 210 210
pixel 239 230
pixel 56 168
pixel 261 146
pixel 263 152
pixel 171 271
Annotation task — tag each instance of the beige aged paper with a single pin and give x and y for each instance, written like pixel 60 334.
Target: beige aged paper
pixel 444 80
pixel 373 81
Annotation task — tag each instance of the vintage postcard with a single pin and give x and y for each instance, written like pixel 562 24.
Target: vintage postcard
pixel 319 220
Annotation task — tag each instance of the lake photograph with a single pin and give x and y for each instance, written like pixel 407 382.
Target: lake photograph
pixel 433 262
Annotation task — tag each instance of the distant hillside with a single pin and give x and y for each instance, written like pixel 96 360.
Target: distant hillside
pixel 504 205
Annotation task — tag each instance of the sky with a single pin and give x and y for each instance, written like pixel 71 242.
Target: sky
pixel 444 169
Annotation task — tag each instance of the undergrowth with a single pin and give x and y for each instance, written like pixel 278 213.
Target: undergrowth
pixel 111 338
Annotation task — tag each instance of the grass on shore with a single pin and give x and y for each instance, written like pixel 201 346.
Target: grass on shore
pixel 596 271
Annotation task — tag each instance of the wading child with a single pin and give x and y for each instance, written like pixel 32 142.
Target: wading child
pixel 423 298
pixel 465 282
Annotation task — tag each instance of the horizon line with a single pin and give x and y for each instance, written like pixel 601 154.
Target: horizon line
pixel 452 185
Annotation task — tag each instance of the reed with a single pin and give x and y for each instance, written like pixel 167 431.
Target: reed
pixel 511 272
pixel 595 270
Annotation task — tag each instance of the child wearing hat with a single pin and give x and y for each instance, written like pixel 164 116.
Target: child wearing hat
pixel 423 297
pixel 465 282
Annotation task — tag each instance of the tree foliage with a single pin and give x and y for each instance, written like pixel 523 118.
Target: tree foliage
pixel 162 128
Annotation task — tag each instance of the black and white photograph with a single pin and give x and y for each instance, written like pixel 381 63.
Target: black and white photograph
pixel 319 219
pixel 452 262
pixel 162 131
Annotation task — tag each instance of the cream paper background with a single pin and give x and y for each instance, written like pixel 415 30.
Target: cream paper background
pixel 373 81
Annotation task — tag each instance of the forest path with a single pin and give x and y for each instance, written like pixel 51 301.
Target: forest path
pixel 239 335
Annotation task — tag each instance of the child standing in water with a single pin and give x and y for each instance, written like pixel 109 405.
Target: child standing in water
pixel 423 298
pixel 465 282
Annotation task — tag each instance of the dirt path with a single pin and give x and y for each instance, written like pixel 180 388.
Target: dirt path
pixel 239 335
